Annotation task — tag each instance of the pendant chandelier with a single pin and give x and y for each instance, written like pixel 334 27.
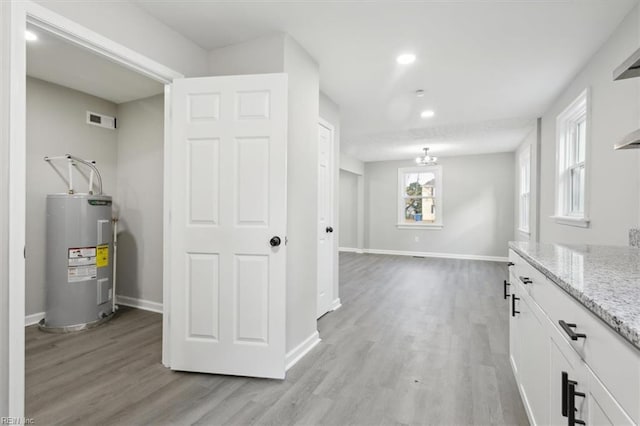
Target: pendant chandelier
pixel 426 159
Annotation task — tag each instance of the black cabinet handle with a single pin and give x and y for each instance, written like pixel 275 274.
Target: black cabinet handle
pixel 275 241
pixel 568 328
pixel 329 229
pixel 506 295
pixel 513 305
pixel 510 264
pixel 526 280
pixel 571 404
pixel 564 395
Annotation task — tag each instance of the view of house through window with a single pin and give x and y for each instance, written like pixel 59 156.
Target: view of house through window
pixel 420 190
pixel 419 201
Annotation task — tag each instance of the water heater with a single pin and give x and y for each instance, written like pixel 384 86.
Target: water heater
pixel 79 259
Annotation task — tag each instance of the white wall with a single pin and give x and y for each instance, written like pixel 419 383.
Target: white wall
pixel 127 24
pixel 56 125
pixel 613 175
pixel 351 164
pixel 478 204
pixel 140 175
pixel 302 203
pixel 348 209
pixel 259 56
pixel 302 152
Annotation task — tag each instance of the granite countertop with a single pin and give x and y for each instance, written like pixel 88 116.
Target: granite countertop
pixel 605 279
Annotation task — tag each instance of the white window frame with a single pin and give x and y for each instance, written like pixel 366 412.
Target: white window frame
pixel 524 191
pixel 566 130
pixel 437 170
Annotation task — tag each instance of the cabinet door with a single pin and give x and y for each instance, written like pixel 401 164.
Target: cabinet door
pixel 533 365
pixel 514 333
pixel 603 408
pixel 565 366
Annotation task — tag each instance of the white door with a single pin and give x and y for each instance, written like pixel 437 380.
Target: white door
pixel 325 218
pixel 228 224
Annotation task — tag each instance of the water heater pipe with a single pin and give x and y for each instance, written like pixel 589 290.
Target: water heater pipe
pixel 115 262
pixel 71 162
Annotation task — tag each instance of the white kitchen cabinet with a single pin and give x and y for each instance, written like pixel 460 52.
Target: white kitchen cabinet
pixel 553 371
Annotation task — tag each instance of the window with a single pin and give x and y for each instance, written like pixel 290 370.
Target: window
pixel 572 144
pixel 420 197
pixel 525 190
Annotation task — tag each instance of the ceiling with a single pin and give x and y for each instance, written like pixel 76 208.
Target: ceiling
pixel 58 61
pixel 488 68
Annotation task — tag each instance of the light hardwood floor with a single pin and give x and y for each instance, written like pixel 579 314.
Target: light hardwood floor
pixel 417 341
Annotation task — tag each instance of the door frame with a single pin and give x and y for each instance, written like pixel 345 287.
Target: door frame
pixel 17 15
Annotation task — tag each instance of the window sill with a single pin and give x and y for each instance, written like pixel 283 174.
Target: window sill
pixel 419 226
pixel 580 222
pixel 524 232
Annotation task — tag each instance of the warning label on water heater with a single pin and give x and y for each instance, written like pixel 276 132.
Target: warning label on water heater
pixel 82 264
pixel 102 256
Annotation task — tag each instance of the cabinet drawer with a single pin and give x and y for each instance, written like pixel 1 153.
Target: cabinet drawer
pixel 525 274
pixel 613 360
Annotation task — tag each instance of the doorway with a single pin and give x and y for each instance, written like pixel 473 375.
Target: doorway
pixel 82 104
pixel 326 218
pixel 20 15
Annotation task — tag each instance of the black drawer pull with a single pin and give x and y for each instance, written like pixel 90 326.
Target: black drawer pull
pixel 510 264
pixel 526 280
pixel 506 295
pixel 513 305
pixel 568 328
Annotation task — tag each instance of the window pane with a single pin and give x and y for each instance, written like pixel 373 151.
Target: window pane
pixel 419 210
pixel 418 184
pixel 524 212
pixel 576 186
pixel 581 142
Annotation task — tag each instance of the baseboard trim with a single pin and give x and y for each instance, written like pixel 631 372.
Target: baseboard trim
pixel 33 319
pixel 145 305
pixel 438 255
pixel 350 250
pixel 335 305
pixel 297 353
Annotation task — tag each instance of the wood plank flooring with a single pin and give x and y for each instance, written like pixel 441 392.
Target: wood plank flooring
pixel 417 341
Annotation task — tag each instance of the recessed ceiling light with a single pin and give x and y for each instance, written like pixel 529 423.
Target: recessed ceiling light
pixel 30 36
pixel 427 113
pixel 406 59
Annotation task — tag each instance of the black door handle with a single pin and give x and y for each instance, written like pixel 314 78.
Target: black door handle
pixel 510 264
pixel 513 305
pixel 526 280
pixel 506 295
pixel 568 328
pixel 275 241
pixel 329 229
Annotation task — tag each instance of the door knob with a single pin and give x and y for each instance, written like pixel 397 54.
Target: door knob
pixel 275 241
pixel 329 229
